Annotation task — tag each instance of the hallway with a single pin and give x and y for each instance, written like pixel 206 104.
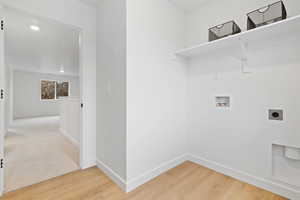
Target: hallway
pixel 35 150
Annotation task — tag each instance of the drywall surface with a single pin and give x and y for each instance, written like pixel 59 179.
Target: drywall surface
pixel 70 118
pixel 27 101
pixel 111 85
pixel 156 86
pixel 79 14
pixel 239 137
pixel 215 12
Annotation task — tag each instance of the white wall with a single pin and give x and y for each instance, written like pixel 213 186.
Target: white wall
pixel 76 13
pixel 111 85
pixel 70 118
pixel 156 86
pixel 161 124
pixel 239 138
pixel 141 87
pixel 27 97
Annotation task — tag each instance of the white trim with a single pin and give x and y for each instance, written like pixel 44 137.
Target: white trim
pixel 2 101
pixel 11 97
pixel 144 178
pixel 14 68
pixel 112 175
pixel 263 183
pixel 151 174
pixel 70 138
pixel 271 186
pixel 89 163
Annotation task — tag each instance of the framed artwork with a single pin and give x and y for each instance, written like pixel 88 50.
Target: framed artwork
pixel 48 90
pixel 53 90
pixel 62 89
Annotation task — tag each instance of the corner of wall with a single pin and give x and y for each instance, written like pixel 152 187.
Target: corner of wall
pixel 115 177
pixel 245 177
pixel 151 174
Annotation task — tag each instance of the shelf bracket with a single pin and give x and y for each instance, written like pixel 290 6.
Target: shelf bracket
pixel 244 58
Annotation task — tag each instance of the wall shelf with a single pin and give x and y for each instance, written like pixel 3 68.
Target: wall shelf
pixel 294 143
pixel 279 38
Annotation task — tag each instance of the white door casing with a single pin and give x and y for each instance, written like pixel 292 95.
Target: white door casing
pixel 2 101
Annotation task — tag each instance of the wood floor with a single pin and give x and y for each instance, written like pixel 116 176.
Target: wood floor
pixel 188 181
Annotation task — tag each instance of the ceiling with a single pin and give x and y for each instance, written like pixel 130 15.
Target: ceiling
pixel 91 2
pixel 53 48
pixel 189 5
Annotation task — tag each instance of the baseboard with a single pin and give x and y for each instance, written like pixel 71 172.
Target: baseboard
pixel 136 182
pixel 242 176
pixel 71 139
pixel 112 175
pixel 268 185
pixel 89 164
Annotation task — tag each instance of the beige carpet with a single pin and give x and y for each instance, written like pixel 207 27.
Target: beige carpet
pixel 35 151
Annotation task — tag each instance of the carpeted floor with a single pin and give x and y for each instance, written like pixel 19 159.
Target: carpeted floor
pixel 35 151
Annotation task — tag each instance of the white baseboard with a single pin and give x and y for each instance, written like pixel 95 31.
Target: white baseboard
pixel 253 180
pixel 136 182
pixel 269 185
pixel 89 164
pixel 112 175
pixel 71 139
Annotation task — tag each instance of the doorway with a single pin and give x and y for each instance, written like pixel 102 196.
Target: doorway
pixel 42 103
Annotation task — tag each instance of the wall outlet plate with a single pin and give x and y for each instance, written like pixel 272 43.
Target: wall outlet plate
pixel 276 114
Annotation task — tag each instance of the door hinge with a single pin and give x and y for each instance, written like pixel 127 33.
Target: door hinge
pixel 1 163
pixel 2 94
pixel 2 25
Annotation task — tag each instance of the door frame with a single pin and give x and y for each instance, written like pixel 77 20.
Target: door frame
pixel 82 145
pixel 2 101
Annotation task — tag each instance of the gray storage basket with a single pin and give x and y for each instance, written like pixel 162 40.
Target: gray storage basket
pixel 266 15
pixel 223 30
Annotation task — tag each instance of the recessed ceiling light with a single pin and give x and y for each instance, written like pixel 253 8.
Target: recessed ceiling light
pixel 34 28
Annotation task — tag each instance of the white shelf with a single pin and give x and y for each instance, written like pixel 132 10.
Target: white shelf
pixel 282 37
pixel 294 143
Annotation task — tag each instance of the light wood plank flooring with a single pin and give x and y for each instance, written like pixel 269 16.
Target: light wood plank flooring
pixel 188 181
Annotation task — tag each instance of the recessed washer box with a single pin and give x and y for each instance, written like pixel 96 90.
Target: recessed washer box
pixel 275 114
pixel 222 101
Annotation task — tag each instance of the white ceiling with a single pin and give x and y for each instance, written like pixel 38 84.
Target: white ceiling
pixel 91 2
pixel 189 5
pixel 45 51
